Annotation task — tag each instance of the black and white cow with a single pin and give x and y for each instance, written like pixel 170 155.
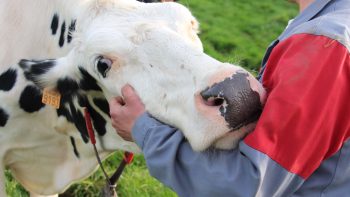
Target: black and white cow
pixel 91 49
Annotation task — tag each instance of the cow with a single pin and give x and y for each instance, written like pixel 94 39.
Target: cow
pixel 88 50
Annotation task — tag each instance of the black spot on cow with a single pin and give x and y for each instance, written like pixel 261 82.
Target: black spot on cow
pixel 82 101
pixel 98 121
pixel 67 87
pixel 79 122
pixel 34 68
pixel 63 111
pixel 8 79
pixel 25 64
pixel 30 99
pixel 3 117
pixel 63 30
pixel 54 24
pixel 76 153
pixel 71 29
pixel 102 104
pixel 88 82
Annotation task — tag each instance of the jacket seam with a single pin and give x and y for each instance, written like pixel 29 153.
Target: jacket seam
pixel 333 176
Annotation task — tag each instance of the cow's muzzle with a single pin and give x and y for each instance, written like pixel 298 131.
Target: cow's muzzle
pixel 235 99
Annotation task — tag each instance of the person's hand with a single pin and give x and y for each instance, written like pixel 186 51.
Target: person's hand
pixel 125 110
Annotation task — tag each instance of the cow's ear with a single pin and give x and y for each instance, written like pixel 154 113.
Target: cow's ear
pixel 103 65
pixel 53 74
pixel 33 69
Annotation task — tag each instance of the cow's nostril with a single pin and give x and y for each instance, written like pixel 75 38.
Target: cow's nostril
pixel 212 96
pixel 214 101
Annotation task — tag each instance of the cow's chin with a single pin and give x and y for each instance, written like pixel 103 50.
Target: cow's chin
pixel 231 139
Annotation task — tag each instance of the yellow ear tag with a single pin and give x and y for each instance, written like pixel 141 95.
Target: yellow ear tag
pixel 51 97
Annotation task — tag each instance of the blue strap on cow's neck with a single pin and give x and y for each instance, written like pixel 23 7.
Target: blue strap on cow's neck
pixel 308 14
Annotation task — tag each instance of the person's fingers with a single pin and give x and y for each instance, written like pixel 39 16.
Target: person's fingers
pixel 114 102
pixel 129 94
pixel 120 100
pixel 115 105
pixel 124 111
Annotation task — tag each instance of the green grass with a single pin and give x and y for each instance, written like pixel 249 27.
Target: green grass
pixel 235 31
pixel 13 189
pixel 238 31
pixel 135 181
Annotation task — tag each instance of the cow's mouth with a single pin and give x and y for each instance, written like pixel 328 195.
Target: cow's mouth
pixel 230 139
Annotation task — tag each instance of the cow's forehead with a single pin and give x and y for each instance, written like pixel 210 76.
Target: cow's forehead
pixel 134 10
pixel 171 10
pixel 115 33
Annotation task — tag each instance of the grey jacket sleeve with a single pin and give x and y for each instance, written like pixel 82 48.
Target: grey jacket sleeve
pixel 238 172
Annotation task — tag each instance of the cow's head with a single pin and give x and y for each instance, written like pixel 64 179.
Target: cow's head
pixel 155 49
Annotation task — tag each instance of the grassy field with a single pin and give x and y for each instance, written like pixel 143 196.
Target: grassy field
pixel 236 31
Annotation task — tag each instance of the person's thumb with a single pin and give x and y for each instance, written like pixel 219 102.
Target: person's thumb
pixel 115 104
pixel 129 94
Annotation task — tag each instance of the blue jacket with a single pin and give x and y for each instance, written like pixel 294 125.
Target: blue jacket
pixel 300 146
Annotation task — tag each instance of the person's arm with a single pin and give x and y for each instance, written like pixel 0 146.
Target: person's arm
pixel 304 122
pixel 239 172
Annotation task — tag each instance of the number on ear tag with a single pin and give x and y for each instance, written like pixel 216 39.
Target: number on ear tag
pixel 51 97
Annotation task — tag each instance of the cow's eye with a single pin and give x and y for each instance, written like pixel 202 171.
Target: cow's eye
pixel 103 65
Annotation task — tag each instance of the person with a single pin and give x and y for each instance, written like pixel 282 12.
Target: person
pixel 300 146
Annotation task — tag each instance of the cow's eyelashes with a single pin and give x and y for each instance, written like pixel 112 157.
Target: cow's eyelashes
pixel 103 65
